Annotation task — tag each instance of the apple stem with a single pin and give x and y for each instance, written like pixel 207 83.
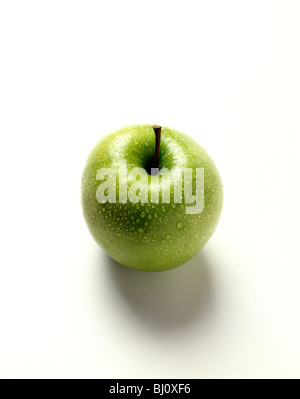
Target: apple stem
pixel 157 131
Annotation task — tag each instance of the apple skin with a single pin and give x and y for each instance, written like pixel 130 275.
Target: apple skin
pixel 150 237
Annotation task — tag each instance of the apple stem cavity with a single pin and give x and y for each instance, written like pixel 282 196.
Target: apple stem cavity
pixel 157 131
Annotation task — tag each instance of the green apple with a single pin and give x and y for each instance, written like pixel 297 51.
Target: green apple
pixel 150 232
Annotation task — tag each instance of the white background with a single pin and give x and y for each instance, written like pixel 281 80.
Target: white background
pixel 225 72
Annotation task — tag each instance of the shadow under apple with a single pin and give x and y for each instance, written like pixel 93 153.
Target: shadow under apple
pixel 166 299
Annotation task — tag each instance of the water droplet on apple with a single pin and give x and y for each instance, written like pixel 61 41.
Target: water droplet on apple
pixel 179 225
pixel 142 214
pixel 141 230
pixel 169 236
